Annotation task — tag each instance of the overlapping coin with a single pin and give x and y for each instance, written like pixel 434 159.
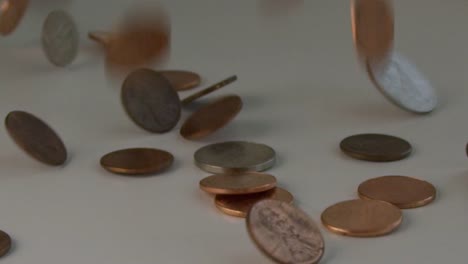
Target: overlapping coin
pixel 236 184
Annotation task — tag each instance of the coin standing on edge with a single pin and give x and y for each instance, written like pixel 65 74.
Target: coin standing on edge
pixel 182 80
pixel 245 183
pixel 5 243
pixel 210 89
pixel 285 233
pixel 11 13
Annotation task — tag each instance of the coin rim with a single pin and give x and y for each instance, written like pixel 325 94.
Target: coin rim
pixel 256 189
pixel 189 86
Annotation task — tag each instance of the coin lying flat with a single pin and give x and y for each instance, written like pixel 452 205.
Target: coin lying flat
pixel 182 80
pixel 36 138
pixel 150 101
pixel 284 233
pixel 235 156
pixel 244 183
pixel 5 243
pixel 11 13
pixel 137 161
pixel 376 147
pixel 214 87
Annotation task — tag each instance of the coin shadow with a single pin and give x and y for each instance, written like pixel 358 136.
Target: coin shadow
pixel 374 111
pixel 20 166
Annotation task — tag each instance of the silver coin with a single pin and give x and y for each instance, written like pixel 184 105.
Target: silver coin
pixel 60 38
pixel 235 156
pixel 402 83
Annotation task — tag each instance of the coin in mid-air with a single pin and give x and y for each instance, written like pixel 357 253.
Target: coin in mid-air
pixel 101 37
pixel 182 80
pixel 5 243
pixel 285 233
pixel 210 89
pixel 36 138
pixel 11 13
pixel 242 183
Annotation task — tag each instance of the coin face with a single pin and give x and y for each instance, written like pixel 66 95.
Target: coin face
pixel 11 13
pixel 137 161
pixel 60 38
pixel 235 156
pixel 284 233
pixel 214 87
pixel 36 138
pixel 212 117
pixel 376 147
pixel 244 183
pixel 5 243
pixel 150 101
pixel 182 80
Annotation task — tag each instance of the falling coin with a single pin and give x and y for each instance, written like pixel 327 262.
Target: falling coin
pixel 245 183
pixel 376 147
pixel 137 161
pixel 11 13
pixel 36 138
pixel 235 156
pixel 102 37
pixel 5 243
pixel 212 117
pixel 182 80
pixel 284 233
pixel 217 86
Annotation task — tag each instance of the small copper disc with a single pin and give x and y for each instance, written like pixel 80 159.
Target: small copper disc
pixel 137 161
pixel 401 191
pixel 211 117
pixel 182 80
pixel 208 90
pixel 244 183
pixel 5 243
pixel 362 218
pixel 36 138
pixel 11 13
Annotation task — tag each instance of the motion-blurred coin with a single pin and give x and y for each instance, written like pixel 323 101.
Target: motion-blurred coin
pixel 212 117
pixel 36 138
pixel 235 156
pixel 243 183
pixel 137 161
pixel 208 90
pixel 362 218
pixel 5 243
pixel 60 38
pixel 182 80
pixel 401 191
pixel 11 13
pixel 150 101
pixel 285 233
pixel 101 37
pixel 376 147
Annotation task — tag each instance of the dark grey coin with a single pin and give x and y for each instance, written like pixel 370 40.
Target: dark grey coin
pixel 150 101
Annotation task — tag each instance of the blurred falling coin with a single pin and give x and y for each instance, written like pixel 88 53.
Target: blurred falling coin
pixel 217 86
pixel 11 13
pixel 182 80
pixel 244 183
pixel 101 37
pixel 137 161
pixel 5 243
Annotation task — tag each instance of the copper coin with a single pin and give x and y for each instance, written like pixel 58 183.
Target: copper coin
pixel 5 243
pixel 376 147
pixel 137 161
pixel 208 90
pixel 245 183
pixel 211 117
pixel 36 138
pixel 150 101
pixel 362 218
pixel 239 205
pixel 401 191
pixel 101 37
pixel 284 233
pixel 182 80
pixel 11 13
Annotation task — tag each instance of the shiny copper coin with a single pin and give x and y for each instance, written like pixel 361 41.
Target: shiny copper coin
pixel 401 191
pixel 244 183
pixel 36 138
pixel 137 161
pixel 208 90
pixel 212 117
pixel 285 233
pixel 5 243
pixel 182 80
pixel 362 218
pixel 11 13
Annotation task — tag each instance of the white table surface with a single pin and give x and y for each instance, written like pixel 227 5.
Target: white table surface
pixel 303 91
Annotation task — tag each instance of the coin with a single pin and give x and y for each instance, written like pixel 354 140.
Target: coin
pixel 243 183
pixel 5 243
pixel 101 37
pixel 214 87
pixel 150 101
pixel 235 156
pixel 211 117
pixel 11 13
pixel 36 138
pixel 284 233
pixel 362 218
pixel 137 161
pixel 239 205
pixel 182 80
pixel 376 147
pixel 60 38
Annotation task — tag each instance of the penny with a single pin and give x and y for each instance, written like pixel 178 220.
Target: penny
pixel 137 161
pixel 150 101
pixel 244 183
pixel 362 218
pixel 60 38
pixel 376 147
pixel 36 138
pixel 212 117
pixel 285 233
pixel 239 205
pixel 5 243
pixel 235 156
pixel 182 80
pixel 101 37
pixel 214 87
pixel 11 13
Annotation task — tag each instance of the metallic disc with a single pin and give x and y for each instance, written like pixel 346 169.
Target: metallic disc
pixel 285 233
pixel 36 138
pixel 212 117
pixel 362 218
pixel 60 38
pixel 376 147
pixel 244 183
pixel 101 37
pixel 11 13
pixel 401 191
pixel 212 88
pixel 182 80
pixel 150 101
pixel 235 156
pixel 5 243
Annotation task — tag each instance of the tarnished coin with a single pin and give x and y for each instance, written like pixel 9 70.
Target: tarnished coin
pixel 60 38
pixel 137 161
pixel 11 13
pixel 208 90
pixel 362 218
pixel 150 101
pixel 5 243
pixel 243 183
pixel 376 147
pixel 182 80
pixel 285 233
pixel 401 191
pixel 235 156
pixel 212 117
pixel 36 138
